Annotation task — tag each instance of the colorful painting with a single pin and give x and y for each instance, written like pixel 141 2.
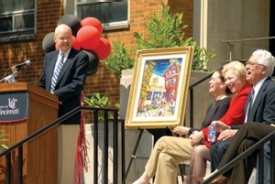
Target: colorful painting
pixel 159 88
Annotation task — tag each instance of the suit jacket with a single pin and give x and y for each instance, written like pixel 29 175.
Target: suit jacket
pixel 263 107
pixel 262 111
pixel 70 82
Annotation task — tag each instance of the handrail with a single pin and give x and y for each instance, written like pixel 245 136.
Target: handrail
pixel 33 135
pixel 249 39
pixel 248 152
pixel 50 125
pixel 115 120
pixel 231 44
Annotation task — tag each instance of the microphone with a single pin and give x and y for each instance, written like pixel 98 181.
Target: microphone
pixel 28 62
pixel 18 66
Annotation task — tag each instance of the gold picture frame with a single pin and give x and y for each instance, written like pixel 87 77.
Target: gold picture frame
pixel 159 89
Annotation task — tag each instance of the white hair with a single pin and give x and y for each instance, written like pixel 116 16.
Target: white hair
pixel 265 58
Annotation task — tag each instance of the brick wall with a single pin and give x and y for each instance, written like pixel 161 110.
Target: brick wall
pixel 48 14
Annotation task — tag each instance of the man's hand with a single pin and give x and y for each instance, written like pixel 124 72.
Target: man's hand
pixel 181 130
pixel 220 126
pixel 227 134
pixel 195 137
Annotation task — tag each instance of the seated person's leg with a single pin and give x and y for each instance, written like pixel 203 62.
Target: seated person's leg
pixel 217 150
pixel 266 167
pixel 200 155
pixel 158 133
pixel 177 148
pixel 242 171
pixel 188 178
pixel 213 156
pixel 167 169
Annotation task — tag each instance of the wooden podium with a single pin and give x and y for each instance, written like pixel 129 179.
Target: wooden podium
pixel 40 153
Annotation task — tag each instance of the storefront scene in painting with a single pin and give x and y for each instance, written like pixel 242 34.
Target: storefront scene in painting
pixel 159 88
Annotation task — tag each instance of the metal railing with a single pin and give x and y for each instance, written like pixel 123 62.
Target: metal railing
pixel 19 146
pixel 231 44
pixel 258 146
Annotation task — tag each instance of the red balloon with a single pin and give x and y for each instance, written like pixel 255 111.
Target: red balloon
pixel 88 37
pixel 103 49
pixel 75 43
pixel 91 21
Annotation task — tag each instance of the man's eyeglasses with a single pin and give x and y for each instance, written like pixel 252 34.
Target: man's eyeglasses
pixel 63 39
pixel 249 63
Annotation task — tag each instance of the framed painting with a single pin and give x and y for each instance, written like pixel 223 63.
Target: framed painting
pixel 159 88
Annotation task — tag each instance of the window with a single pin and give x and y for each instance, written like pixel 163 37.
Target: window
pixel 113 14
pixel 17 20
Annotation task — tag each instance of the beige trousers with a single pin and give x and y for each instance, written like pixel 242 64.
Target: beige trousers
pixel 163 162
pixel 67 142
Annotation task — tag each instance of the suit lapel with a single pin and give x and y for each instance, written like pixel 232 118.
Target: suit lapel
pixel 50 68
pixel 67 64
pixel 258 99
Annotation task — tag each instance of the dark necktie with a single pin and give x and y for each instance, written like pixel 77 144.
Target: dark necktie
pixel 56 72
pixel 250 102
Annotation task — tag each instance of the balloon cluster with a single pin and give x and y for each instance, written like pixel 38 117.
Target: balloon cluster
pixel 86 37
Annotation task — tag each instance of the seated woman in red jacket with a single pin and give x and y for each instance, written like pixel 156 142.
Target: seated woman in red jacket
pixel 235 77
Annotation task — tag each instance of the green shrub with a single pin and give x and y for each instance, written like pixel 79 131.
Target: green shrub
pixel 164 32
pixel 2 140
pixel 98 100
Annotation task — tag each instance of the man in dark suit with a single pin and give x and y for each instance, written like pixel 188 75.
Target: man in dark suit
pixel 64 75
pixel 260 107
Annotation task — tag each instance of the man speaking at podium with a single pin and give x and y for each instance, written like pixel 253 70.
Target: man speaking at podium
pixel 64 75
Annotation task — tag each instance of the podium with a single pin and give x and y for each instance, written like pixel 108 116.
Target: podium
pixel 24 109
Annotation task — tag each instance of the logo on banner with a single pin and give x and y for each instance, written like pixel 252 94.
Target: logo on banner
pixel 11 108
pixel 14 107
pixel 12 103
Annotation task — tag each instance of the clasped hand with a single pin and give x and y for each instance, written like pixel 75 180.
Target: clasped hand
pixel 226 134
pixel 180 130
pixel 220 126
pixel 195 138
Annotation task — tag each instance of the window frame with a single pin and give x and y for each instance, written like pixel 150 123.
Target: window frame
pixel 19 34
pixel 110 25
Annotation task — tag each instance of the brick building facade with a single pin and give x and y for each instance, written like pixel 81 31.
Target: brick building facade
pixel 48 12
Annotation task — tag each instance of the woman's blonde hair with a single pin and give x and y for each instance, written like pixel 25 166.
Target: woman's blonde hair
pixel 221 77
pixel 237 66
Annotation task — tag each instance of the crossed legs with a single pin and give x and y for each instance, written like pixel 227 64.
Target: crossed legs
pixel 200 154
pixel 163 162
